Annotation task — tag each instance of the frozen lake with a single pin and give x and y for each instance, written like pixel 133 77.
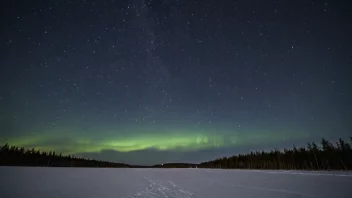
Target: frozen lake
pixel 27 182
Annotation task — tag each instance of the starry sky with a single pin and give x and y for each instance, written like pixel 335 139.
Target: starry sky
pixel 156 81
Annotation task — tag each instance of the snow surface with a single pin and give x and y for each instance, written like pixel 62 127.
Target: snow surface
pixel 29 182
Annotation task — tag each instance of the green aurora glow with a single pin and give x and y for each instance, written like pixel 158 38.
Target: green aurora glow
pixel 180 140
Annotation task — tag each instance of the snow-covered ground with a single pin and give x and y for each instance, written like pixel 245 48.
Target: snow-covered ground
pixel 26 182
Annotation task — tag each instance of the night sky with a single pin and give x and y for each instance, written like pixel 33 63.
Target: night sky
pixel 156 81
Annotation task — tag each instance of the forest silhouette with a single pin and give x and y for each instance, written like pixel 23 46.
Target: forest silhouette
pixel 325 156
pixel 19 156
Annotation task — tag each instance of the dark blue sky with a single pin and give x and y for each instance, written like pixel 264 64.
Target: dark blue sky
pixel 153 81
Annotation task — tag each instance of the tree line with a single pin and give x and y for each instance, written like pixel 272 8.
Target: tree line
pixel 18 156
pixel 175 165
pixel 326 156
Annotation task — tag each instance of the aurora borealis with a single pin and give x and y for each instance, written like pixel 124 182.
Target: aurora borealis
pixel 153 81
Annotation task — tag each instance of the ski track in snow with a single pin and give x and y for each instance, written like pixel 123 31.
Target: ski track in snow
pixel 29 182
pixel 159 188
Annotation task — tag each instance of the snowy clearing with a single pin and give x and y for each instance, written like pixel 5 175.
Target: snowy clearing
pixel 33 182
